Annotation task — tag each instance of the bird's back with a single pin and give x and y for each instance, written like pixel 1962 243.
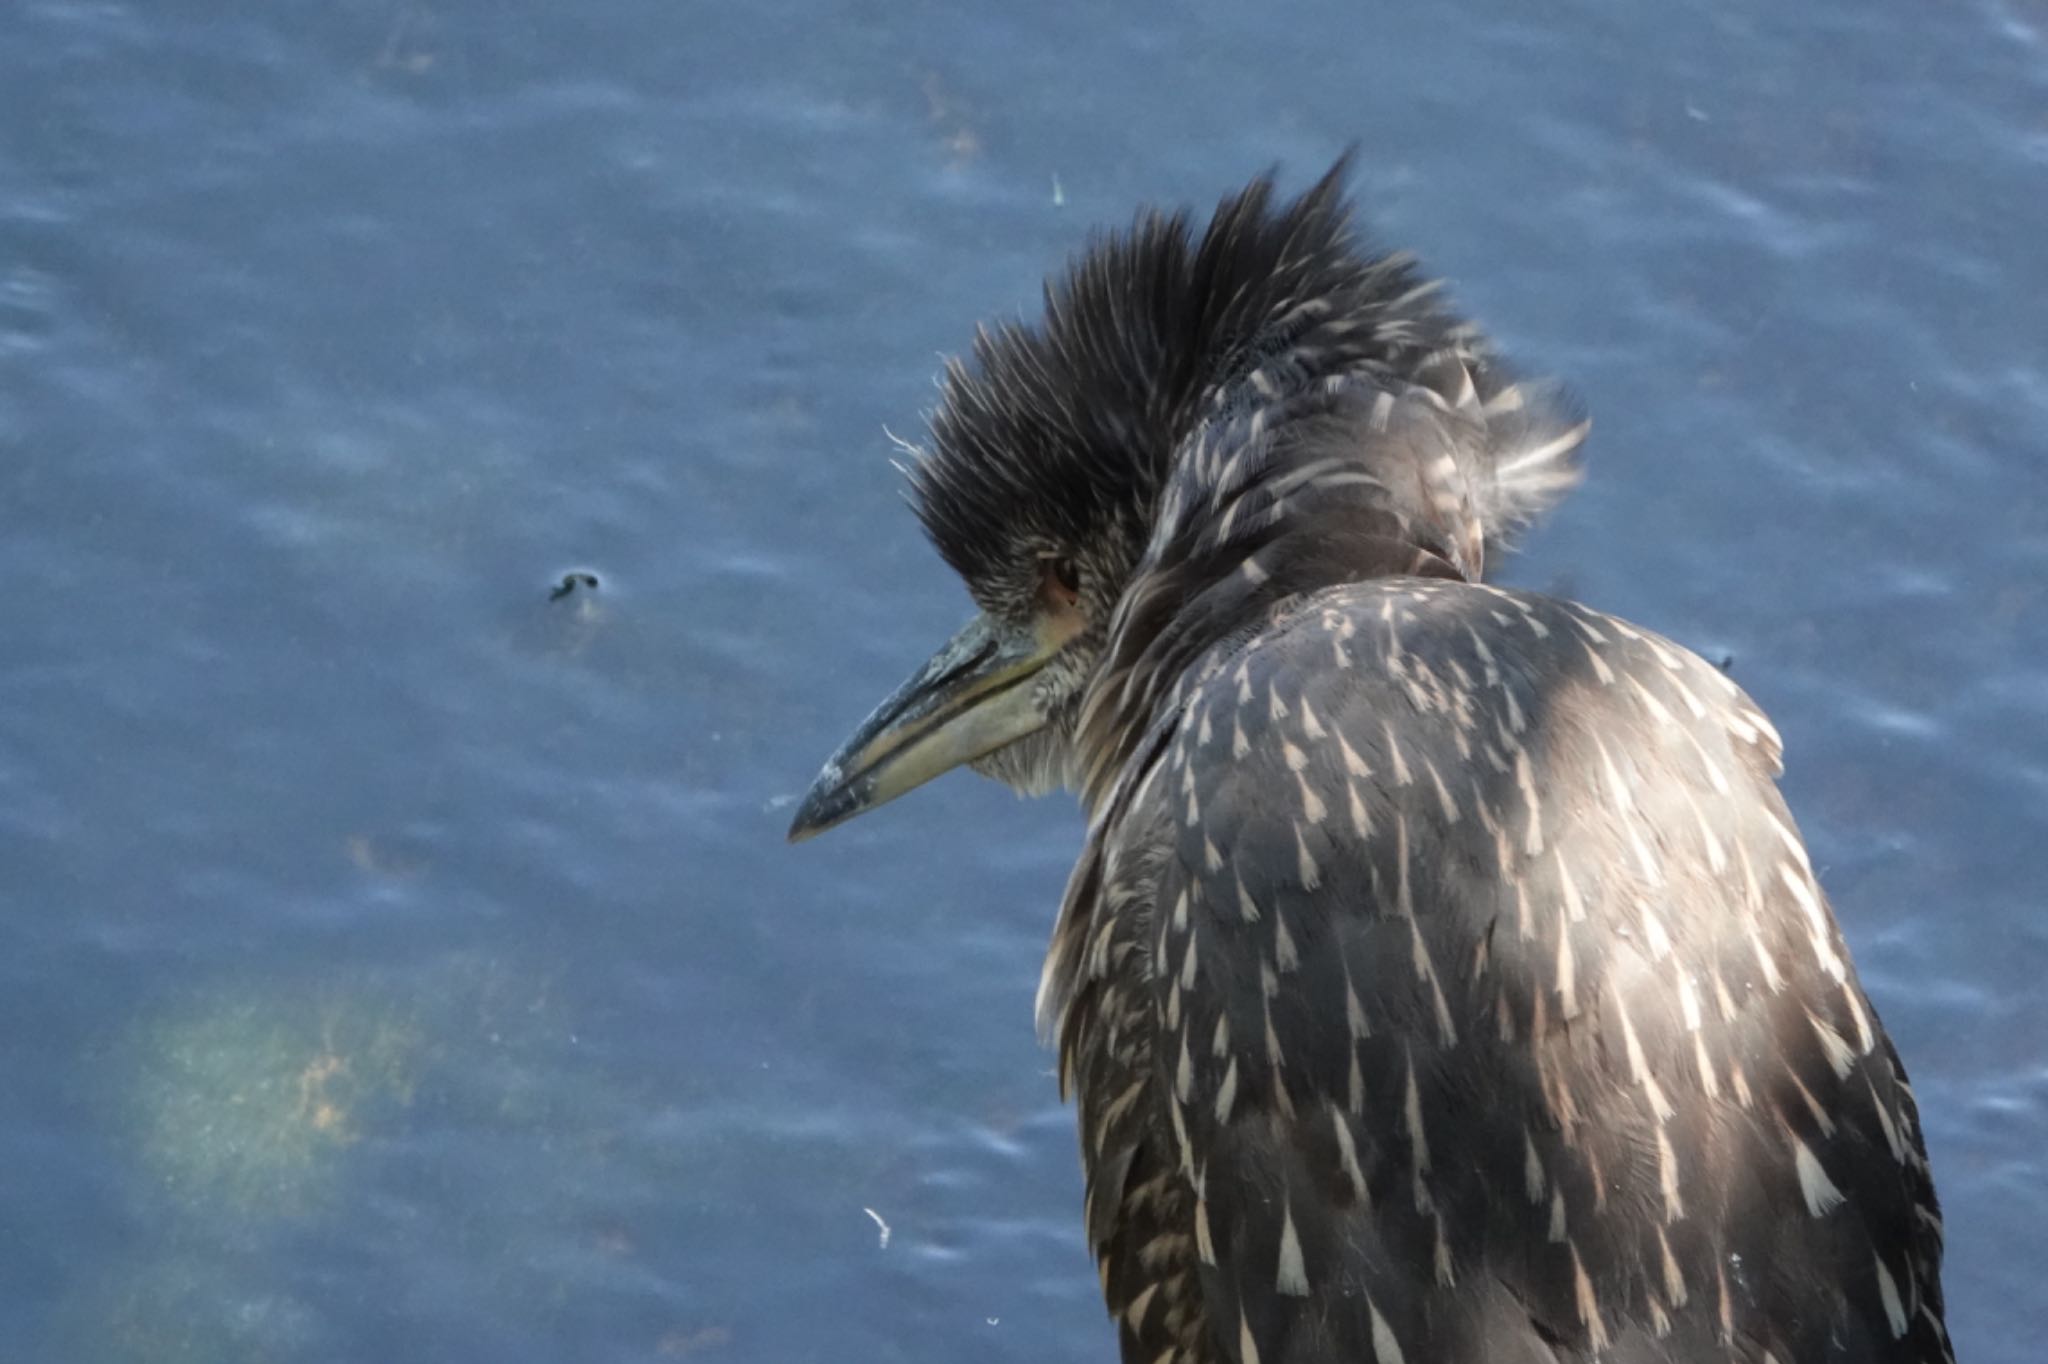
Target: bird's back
pixel 1447 982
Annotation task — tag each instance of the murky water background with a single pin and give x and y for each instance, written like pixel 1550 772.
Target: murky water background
pixel 397 964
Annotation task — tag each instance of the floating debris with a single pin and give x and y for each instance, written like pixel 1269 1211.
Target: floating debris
pixel 570 582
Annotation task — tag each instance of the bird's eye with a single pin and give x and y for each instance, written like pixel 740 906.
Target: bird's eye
pixel 1061 585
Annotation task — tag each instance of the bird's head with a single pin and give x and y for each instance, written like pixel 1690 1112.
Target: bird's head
pixel 1046 460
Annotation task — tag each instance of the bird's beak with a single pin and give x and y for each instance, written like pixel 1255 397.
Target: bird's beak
pixel 971 699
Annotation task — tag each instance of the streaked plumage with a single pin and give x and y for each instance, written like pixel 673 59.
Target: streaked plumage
pixel 1443 978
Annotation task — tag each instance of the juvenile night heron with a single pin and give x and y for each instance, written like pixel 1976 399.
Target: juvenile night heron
pixel 1443 979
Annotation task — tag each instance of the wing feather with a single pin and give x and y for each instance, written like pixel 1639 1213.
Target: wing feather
pixel 1482 1006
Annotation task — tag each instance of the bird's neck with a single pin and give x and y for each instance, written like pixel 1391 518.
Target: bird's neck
pixel 1273 498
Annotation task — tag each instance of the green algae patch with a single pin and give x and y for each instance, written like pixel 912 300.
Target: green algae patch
pixel 247 1105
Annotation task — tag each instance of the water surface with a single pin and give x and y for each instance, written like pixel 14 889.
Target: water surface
pixel 398 964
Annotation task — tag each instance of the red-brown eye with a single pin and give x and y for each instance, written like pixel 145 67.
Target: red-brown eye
pixel 1062 583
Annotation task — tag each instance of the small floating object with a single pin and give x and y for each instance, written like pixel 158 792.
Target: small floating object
pixel 571 582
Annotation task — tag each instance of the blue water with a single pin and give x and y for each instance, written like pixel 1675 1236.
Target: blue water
pixel 397 964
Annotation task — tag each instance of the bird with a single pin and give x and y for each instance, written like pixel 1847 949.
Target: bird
pixel 1443 977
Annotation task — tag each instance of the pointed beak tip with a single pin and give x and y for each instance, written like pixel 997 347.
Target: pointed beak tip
pixel 970 699
pixel 826 804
